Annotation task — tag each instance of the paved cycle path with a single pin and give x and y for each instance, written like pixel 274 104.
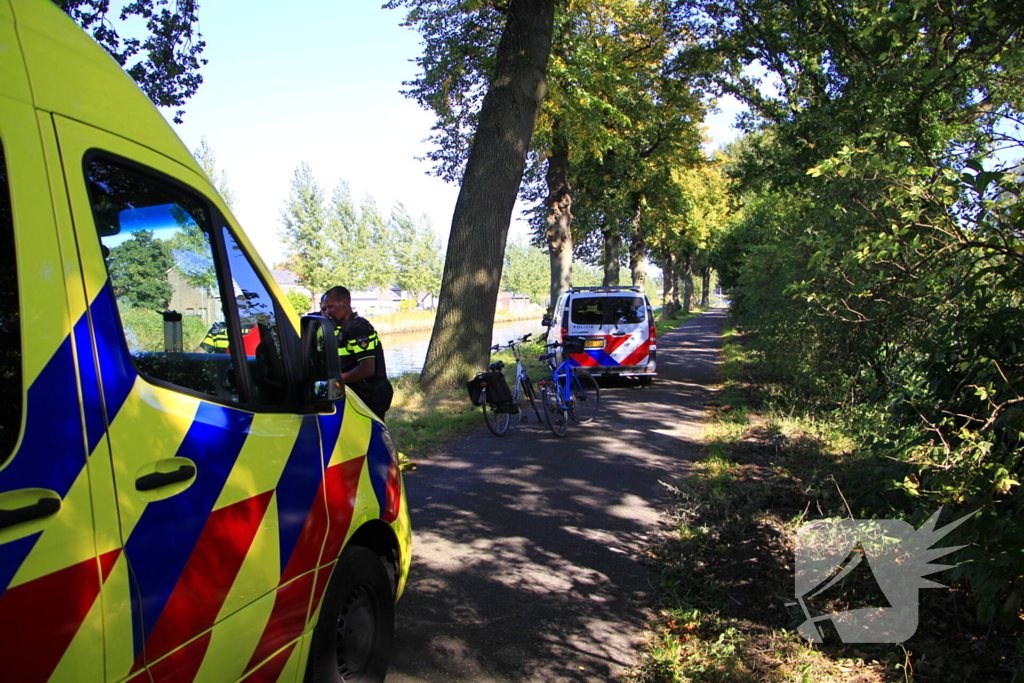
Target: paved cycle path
pixel 526 547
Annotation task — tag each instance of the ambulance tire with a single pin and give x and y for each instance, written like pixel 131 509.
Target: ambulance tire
pixel 353 636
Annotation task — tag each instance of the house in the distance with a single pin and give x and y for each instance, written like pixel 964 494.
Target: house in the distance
pixel 290 282
pixel 511 302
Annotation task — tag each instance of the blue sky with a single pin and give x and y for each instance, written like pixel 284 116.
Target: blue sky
pixel 316 81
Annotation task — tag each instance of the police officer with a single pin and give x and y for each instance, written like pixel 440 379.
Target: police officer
pixel 217 341
pixel 360 351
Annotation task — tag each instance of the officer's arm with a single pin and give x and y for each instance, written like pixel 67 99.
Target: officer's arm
pixel 366 368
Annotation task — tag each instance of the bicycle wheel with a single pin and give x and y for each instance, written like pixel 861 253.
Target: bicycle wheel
pixel 554 413
pixel 496 422
pixel 585 397
pixel 528 391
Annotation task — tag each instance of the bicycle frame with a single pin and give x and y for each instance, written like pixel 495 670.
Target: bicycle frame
pixel 521 377
pixel 562 376
pixel 498 418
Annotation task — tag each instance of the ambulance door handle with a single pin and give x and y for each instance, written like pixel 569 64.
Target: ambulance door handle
pixel 44 508
pixel 157 479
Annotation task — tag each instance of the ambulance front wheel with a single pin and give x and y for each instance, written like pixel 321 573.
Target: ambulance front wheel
pixel 353 636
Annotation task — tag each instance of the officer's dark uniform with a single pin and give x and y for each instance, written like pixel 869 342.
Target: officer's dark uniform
pixel 358 340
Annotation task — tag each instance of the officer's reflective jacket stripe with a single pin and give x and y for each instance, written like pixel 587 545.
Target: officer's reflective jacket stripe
pixel 217 340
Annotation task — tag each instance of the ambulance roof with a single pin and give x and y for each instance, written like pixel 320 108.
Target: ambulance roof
pixel 71 75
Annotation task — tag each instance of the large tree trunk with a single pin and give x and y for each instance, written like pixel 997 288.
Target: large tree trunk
pixel 670 289
pixel 705 286
pixel 638 250
pixel 687 276
pixel 612 250
pixel 559 218
pixel 494 169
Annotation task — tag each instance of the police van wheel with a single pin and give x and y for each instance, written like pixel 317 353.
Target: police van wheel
pixel 645 381
pixel 353 636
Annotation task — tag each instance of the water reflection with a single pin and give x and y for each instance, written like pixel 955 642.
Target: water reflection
pixel 406 352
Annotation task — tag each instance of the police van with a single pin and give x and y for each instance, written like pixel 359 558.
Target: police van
pixel 605 331
pixel 171 508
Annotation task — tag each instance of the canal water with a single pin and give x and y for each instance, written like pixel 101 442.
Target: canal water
pixel 406 352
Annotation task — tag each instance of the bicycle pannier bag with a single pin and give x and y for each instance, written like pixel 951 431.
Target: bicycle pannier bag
pixel 475 387
pixel 498 391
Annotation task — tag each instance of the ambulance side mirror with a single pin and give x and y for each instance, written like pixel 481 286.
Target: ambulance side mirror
pixel 546 320
pixel 321 369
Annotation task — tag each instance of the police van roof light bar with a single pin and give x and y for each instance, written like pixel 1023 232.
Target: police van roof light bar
pixel 606 288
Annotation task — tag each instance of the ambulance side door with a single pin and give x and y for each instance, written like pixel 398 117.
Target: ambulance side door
pixel 219 481
pixel 51 570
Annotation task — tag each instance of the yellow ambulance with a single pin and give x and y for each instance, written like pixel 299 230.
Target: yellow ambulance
pixel 170 509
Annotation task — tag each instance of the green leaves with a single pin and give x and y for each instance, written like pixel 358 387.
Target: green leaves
pixel 139 267
pixel 340 244
pixel 165 61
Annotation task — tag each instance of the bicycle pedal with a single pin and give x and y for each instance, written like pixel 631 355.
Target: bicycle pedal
pixel 523 419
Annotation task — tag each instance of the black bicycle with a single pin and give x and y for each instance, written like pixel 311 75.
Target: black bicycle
pixel 504 402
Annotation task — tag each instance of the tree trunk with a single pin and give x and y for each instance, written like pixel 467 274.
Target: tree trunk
pixel 612 249
pixel 559 218
pixel 462 330
pixel 687 277
pixel 670 289
pixel 705 286
pixel 638 250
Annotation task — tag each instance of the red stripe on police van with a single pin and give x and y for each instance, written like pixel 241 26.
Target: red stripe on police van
pixel 323 577
pixel 638 356
pixel 612 344
pixel 287 620
pixel 342 482
pixel 307 549
pixel 271 671
pixel 40 619
pixel 584 359
pixel 182 665
pixel 204 584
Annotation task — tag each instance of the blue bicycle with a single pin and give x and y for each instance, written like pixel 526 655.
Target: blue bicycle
pixel 567 393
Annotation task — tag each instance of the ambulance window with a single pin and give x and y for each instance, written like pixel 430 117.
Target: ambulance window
pixel 258 317
pixel 10 325
pixel 157 244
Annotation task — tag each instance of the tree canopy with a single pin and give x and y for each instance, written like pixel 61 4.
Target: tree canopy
pixel 877 255
pixel 140 265
pixel 166 61
pixel 338 243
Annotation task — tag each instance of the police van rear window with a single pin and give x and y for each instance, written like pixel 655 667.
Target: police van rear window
pixel 607 310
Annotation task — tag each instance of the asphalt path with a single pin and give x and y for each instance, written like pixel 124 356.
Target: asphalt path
pixel 527 547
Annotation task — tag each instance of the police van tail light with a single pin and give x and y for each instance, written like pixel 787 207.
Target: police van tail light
pixel 393 485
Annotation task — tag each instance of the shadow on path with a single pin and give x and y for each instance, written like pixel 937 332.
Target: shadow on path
pixel 527 548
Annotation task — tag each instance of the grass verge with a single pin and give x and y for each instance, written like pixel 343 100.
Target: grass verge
pixel 727 606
